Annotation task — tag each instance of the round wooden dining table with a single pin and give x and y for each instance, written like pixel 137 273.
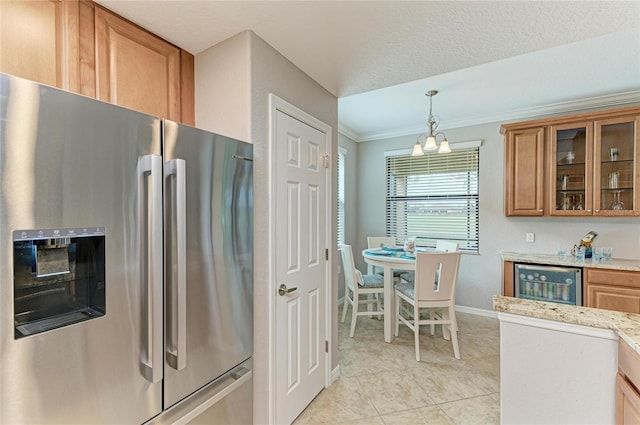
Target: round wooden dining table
pixel 389 259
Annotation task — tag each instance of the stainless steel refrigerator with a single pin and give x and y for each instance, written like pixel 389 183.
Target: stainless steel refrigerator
pixel 126 265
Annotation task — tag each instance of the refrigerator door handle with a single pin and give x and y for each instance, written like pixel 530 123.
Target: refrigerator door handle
pixel 177 339
pixel 150 243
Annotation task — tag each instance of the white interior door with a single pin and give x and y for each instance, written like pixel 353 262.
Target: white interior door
pixel 300 246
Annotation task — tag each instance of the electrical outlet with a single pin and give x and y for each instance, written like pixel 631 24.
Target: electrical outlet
pixel 531 237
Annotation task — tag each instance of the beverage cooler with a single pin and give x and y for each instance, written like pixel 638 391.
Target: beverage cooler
pixel 548 283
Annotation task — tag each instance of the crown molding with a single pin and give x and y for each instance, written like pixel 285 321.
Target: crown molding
pixel 629 98
pixel 347 132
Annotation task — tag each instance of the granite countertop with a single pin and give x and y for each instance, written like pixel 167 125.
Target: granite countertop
pixel 626 325
pixel 569 260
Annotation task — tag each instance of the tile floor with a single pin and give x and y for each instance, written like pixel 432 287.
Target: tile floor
pixel 382 384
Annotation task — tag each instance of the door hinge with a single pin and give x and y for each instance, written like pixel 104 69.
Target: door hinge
pixel 326 161
pixel 326 254
pixel 326 346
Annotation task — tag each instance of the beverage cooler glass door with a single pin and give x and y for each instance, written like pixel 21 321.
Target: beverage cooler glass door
pixel 546 283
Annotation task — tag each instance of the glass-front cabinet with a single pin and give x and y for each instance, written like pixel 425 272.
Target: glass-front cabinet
pixel 616 167
pixel 571 169
pixel 594 168
pixel 586 164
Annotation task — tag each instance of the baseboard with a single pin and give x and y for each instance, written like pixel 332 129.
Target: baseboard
pixel 335 374
pixel 477 311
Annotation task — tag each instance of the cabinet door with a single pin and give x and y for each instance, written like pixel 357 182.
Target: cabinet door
pixel 524 173
pixel 39 41
pixel 570 169
pixel 616 169
pixel 608 289
pixel 136 69
pixel 627 403
pixel 617 298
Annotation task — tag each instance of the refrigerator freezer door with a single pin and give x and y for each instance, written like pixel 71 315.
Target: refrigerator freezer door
pixel 218 320
pixel 67 161
pixel 226 401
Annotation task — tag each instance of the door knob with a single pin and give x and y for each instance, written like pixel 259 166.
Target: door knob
pixel 283 290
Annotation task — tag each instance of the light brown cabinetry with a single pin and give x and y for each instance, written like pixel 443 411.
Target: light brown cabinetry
pixel 524 182
pixel 508 287
pixel 82 47
pixel 627 384
pixel 38 41
pixel 591 165
pixel 135 69
pixel 608 289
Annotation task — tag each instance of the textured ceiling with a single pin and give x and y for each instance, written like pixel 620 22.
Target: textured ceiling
pixel 355 48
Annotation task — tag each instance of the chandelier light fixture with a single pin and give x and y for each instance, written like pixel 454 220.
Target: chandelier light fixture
pixel 430 140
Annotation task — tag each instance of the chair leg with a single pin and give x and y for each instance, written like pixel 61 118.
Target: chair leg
pixel 379 305
pixel 345 306
pixel 454 332
pixel 354 315
pixel 446 329
pixel 398 301
pixel 416 330
pixel 432 316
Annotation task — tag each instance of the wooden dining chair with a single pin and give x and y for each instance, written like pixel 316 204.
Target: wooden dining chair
pixel 380 242
pixel 434 288
pixel 357 284
pixel 441 246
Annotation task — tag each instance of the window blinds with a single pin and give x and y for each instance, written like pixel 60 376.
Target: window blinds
pixel 433 197
pixel 341 176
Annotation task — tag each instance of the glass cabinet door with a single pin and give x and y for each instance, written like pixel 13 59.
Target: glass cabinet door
pixel 616 155
pixel 570 169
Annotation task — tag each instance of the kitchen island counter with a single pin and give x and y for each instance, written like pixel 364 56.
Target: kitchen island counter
pixel 625 325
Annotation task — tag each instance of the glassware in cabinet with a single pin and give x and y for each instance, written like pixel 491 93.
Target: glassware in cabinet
pixel 616 159
pixel 570 169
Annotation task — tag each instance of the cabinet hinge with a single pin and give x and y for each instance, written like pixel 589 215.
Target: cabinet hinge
pixel 326 254
pixel 326 161
pixel 326 346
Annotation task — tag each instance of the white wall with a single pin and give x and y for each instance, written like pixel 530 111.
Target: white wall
pixel 480 275
pixel 233 82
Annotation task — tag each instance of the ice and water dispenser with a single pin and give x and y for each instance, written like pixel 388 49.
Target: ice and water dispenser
pixel 59 278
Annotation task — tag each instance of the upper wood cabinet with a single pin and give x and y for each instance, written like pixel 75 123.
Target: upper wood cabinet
pixel 590 165
pixel 39 40
pixel 570 169
pixel 136 69
pixel 524 169
pixel 82 47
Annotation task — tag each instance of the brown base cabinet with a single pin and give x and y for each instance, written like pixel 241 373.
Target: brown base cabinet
pixel 81 47
pixel 627 386
pixel 617 290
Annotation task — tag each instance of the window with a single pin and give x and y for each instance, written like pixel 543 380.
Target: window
pixel 341 158
pixel 434 196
